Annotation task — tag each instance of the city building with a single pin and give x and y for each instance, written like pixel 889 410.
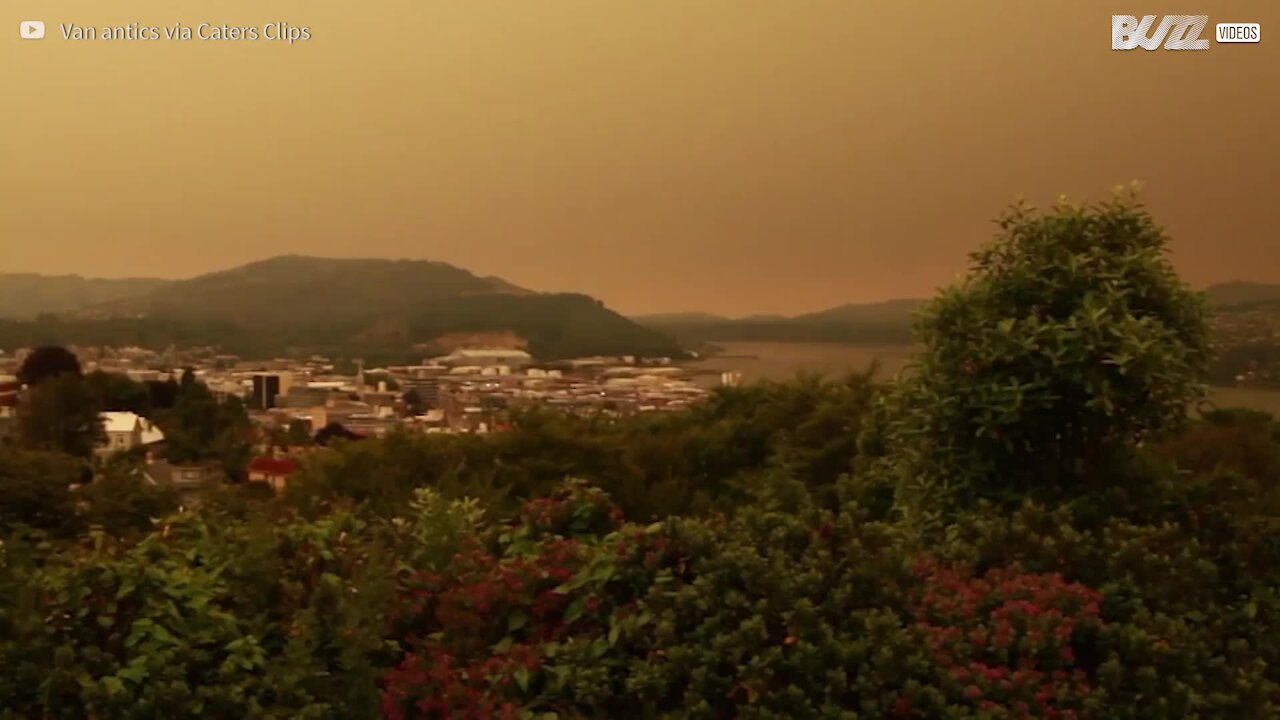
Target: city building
pixel 426 388
pixel 267 386
pixel 125 431
pixel 487 357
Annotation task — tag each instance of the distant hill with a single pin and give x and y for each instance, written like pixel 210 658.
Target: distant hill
pixel 376 308
pixel 889 311
pixel 1242 293
pixel 857 324
pixel 290 289
pixel 26 295
pixel 879 323
pixel 686 318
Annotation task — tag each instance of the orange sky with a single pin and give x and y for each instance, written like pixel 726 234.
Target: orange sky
pixel 719 155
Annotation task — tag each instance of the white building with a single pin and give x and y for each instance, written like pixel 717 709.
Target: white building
pixel 488 357
pixel 126 431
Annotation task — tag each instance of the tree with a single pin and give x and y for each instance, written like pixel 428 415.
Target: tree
pixel 231 444
pixel 191 426
pixel 413 401
pixel 61 414
pixel 299 433
pixel 1070 339
pixel 334 431
pixel 35 490
pixel 116 391
pixel 123 502
pixel 199 428
pixel 45 362
pixel 162 394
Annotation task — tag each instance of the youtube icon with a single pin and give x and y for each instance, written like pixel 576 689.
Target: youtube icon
pixel 31 29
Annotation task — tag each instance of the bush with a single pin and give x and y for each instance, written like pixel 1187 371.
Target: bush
pixel 1071 339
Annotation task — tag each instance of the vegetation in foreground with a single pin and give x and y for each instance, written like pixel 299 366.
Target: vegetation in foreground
pixel 1027 527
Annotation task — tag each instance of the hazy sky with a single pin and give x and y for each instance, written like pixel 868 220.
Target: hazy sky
pixel 721 155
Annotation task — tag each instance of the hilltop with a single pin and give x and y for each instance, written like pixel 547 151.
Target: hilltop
pixel 889 321
pixel 879 323
pixel 296 304
pixel 1242 293
pixel 289 289
pixel 26 295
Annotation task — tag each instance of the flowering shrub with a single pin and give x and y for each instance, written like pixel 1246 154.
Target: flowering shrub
pixel 575 508
pixel 1188 615
pixel 490 633
pixel 1009 642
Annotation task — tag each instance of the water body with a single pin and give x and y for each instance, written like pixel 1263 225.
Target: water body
pixel 782 361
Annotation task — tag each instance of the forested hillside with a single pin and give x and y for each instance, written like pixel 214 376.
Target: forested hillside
pixel 385 309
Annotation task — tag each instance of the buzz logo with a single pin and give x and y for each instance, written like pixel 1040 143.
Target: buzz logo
pixel 1176 32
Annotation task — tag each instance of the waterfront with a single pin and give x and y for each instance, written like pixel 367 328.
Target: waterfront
pixel 780 361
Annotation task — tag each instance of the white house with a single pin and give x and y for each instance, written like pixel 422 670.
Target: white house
pixel 126 431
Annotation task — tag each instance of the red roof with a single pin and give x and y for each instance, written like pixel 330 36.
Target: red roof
pixel 273 466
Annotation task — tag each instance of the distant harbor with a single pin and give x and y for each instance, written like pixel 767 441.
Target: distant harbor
pixel 782 361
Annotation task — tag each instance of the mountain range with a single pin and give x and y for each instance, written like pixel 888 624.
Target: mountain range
pixel 882 323
pixel 26 295
pixel 400 308
pixel 295 304
pixel 887 323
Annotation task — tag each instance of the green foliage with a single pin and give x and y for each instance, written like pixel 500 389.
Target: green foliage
pixel 123 504
pixel 1188 604
pixel 35 490
pixel 47 362
pixel 1071 339
pixel 200 428
pixel 115 391
pixel 298 434
pixel 653 466
pixel 206 618
pixel 61 414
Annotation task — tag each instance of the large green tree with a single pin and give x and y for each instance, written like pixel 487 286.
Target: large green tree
pixel 35 490
pixel 117 391
pixel 200 428
pixel 1071 338
pixel 61 414
pixel 48 361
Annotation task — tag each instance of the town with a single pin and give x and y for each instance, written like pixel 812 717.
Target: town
pixel 292 403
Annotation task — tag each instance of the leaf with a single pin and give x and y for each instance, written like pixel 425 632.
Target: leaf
pixel 112 685
pixel 522 679
pixel 161 633
pixel 584 576
pixel 126 587
pixel 135 673
pixel 575 609
pixel 517 620
pixel 603 572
